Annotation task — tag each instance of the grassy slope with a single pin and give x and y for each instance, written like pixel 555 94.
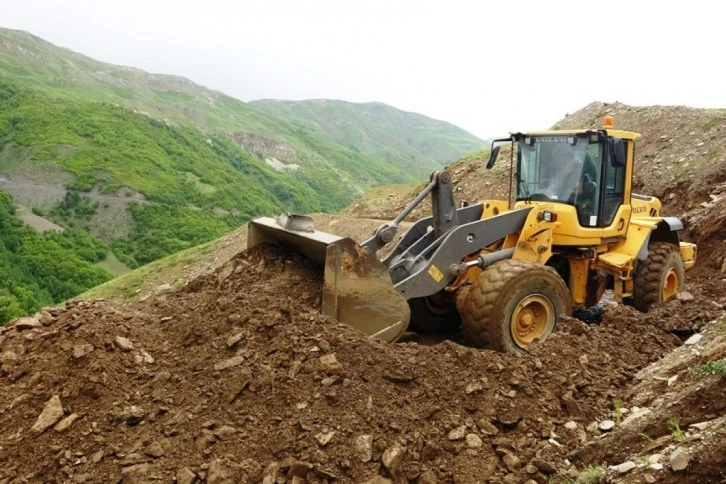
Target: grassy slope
pixel 36 63
pixel 409 140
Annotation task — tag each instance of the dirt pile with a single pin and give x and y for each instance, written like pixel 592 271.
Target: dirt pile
pixel 238 378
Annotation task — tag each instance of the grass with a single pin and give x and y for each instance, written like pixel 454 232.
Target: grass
pixel 674 425
pixel 591 475
pixel 716 367
pixel 618 411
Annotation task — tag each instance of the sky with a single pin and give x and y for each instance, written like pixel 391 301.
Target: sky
pixel 489 67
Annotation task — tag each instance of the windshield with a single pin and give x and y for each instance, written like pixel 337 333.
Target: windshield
pixel 563 169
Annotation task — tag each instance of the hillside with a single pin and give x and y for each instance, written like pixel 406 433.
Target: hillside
pixel 417 143
pixel 33 62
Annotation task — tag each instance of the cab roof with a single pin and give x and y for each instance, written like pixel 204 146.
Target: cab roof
pixel 563 132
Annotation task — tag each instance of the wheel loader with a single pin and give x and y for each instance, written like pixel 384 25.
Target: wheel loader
pixel 505 271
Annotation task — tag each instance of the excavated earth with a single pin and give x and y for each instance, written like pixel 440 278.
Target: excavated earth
pixel 238 378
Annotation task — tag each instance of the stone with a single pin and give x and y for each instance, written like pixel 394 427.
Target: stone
pixel 66 423
pixel 679 459
pixel 571 425
pixel 97 457
pixel 234 339
pixel 512 462
pixel 229 363
pixel 219 473
pixel 655 458
pixel 22 324
pixel 378 480
pixel 225 432
pixel 531 469
pixel 685 297
pixel 458 433
pixel 154 450
pixel 649 478
pixel 185 476
pixel 427 477
pixel 487 428
pixel 606 425
pixel 473 388
pixel 325 437
pixel 52 412
pixel 392 458
pixel 270 473
pixel 693 339
pixel 132 415
pixel 136 474
pixel 329 361
pixel 163 289
pixel 364 447
pixel 544 466
pixel 124 344
pixel 473 440
pixel 624 467
pixel 144 357
pixel 79 351
pixel 701 426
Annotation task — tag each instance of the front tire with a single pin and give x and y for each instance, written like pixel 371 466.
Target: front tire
pixel 514 303
pixel 658 278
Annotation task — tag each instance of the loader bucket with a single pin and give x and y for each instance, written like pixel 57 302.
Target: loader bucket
pixel 357 288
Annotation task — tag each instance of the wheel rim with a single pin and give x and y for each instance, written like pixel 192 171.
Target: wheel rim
pixel 670 284
pixel 531 319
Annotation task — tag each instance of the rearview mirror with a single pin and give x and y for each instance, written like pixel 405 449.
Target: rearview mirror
pixel 617 152
pixel 493 157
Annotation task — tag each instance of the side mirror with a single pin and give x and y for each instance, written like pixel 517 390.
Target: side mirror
pixel 617 152
pixel 492 157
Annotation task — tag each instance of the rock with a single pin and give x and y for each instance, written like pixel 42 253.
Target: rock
pixel 458 433
pixel 225 432
pixel 364 447
pixel 124 344
pixel 473 388
pixel 324 438
pixel 427 477
pixel 52 412
pixel 378 480
pixel 329 361
pixel 270 473
pixel 66 423
pixel 144 357
pixel 679 459
pixel 79 351
pixel 592 428
pixel 531 469
pixel 22 324
pixel 571 425
pixel 392 457
pixel 136 474
pixel 234 339
pixel 487 428
pixel 693 339
pixel 701 426
pixel 132 415
pixel 624 467
pixel 685 297
pixel 219 473
pixel 544 466
pixel 512 462
pixel 655 458
pixel 163 289
pixel 649 478
pixel 133 459
pixel 97 457
pixel 673 379
pixel 606 425
pixel 330 380
pixel 473 440
pixel 185 476
pixel 154 450
pixel 634 415
pixel 229 363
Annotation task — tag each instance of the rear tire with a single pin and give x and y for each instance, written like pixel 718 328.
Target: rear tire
pixel 512 304
pixel 658 278
pixel 434 314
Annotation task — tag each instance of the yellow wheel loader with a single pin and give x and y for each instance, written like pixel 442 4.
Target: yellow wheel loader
pixel 504 271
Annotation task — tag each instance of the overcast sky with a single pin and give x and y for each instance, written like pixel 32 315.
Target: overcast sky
pixel 486 66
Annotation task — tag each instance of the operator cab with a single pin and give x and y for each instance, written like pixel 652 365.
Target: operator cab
pixel 584 169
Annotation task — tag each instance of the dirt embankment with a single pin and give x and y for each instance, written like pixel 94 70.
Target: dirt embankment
pixel 238 378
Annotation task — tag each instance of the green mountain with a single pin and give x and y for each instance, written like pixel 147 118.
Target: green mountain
pixel 403 139
pixel 363 144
